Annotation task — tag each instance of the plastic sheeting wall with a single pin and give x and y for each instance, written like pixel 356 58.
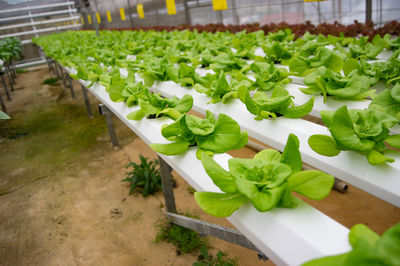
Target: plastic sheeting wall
pixel 246 11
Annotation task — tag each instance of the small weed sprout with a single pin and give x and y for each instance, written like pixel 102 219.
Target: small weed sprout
pixel 207 259
pixel 20 71
pixel 144 177
pixel 51 81
pixel 185 240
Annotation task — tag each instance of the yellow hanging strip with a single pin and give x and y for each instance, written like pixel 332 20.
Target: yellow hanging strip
pixel 109 16
pixel 219 4
pixel 140 11
pixel 98 17
pixel 171 9
pixel 89 19
pixel 122 13
pixel 82 21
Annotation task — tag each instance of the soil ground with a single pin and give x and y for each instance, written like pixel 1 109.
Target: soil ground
pixel 62 201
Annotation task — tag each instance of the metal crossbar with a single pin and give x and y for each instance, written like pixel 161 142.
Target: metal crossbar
pixel 35 31
pixel 39 22
pixel 37 7
pixel 44 14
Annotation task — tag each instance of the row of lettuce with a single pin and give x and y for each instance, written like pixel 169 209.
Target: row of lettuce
pixel 224 67
pixel 268 179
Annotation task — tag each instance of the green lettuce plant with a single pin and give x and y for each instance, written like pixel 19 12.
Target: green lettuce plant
pixel 368 249
pixel 366 49
pixel 328 83
pixel 390 43
pixel 388 101
pixel 209 134
pixel 10 48
pixel 277 52
pixel 266 181
pixel 279 104
pixel 122 89
pixel 153 105
pixel 388 71
pixel 324 57
pixel 268 75
pixel 365 131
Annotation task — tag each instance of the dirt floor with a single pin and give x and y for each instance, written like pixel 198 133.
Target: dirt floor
pixel 62 201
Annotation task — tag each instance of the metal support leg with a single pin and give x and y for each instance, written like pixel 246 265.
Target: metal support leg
pixel 52 66
pixel 9 79
pixel 48 63
pixel 63 73
pixel 87 103
pixel 71 87
pixel 167 186
pixel 10 73
pixel 3 80
pixel 60 72
pixel 103 110
pixel 56 69
pixel 210 229
pixel 3 105
pixel 14 71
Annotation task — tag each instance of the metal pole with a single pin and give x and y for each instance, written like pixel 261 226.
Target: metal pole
pixel 319 12
pixel 5 86
pixel 9 79
pixel 157 21
pixel 87 103
pixel 56 68
pixel 48 63
pixel 130 13
pixel 236 19
pixel 334 9
pixel 215 230
pixel 14 71
pixel 10 73
pixel 95 23
pixel 71 87
pixel 103 110
pixel 52 64
pixel 187 13
pixel 3 105
pixel 283 10
pixel 167 188
pixel 220 18
pixel 368 10
pixel 63 76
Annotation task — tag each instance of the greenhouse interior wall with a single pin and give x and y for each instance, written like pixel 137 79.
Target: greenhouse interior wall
pixel 242 12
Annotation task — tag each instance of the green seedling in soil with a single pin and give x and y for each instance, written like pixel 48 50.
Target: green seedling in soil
pixel 185 240
pixel 51 81
pixel 144 177
pixel 207 259
pixel 20 71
